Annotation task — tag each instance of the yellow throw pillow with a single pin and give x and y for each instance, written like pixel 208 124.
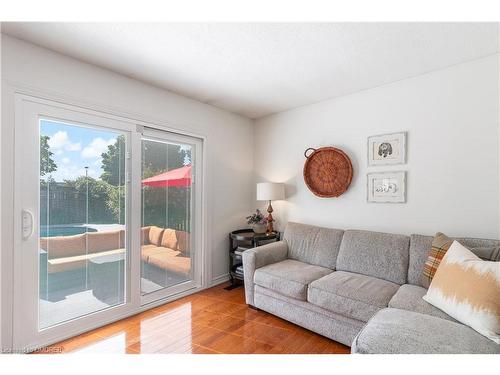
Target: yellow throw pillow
pixel 468 289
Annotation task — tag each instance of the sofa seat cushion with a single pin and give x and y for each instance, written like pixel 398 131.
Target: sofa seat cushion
pixel 409 297
pixel 176 264
pixel 395 331
pixel 78 261
pixel 352 295
pixel 289 277
pixel 148 250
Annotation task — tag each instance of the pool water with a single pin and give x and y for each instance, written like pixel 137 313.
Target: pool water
pixel 63 230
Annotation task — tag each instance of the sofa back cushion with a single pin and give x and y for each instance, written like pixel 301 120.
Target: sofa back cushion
pixel 420 246
pixel 145 235
pixel 123 240
pixel 155 235
pixel 376 254
pixel 313 245
pixel 169 239
pixel 419 250
pixel 183 242
pixel 64 246
pixel 103 241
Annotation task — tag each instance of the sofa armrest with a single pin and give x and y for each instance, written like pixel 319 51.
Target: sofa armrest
pixel 259 257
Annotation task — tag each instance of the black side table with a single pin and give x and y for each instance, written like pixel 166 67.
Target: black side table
pixel 239 241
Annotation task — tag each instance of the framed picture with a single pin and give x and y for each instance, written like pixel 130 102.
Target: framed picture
pixel 389 187
pixel 387 149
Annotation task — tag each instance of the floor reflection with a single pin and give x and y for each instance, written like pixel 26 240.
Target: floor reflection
pixel 210 322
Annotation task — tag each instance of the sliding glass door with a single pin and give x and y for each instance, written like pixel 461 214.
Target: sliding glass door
pixel 108 218
pixel 72 197
pixel 168 193
pixel 82 227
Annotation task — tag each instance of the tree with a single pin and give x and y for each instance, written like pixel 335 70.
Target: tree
pixel 163 206
pixel 47 164
pixel 113 163
pixel 162 157
pixel 158 157
pixel 104 204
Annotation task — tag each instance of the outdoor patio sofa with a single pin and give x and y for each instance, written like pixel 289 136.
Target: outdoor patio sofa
pixel 161 250
pixel 66 253
pixel 165 250
pixel 359 288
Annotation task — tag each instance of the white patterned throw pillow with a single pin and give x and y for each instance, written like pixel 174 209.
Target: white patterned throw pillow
pixel 468 289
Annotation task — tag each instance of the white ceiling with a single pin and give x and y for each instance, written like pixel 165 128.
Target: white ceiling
pixel 263 68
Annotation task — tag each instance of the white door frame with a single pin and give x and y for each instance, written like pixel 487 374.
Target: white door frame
pixel 23 337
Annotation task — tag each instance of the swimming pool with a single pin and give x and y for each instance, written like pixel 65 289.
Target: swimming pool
pixel 56 230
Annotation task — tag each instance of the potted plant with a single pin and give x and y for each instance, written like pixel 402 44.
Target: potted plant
pixel 257 222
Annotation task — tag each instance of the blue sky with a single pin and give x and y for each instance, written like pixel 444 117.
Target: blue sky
pixel 76 147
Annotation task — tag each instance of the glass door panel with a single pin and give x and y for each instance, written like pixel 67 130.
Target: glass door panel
pixel 82 228
pixel 167 197
pixel 108 219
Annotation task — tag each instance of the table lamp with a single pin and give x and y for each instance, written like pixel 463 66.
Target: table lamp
pixel 270 191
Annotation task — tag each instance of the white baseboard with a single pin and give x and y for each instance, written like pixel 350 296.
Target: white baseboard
pixel 219 279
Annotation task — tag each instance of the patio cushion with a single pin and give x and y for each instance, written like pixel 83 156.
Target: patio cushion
pixel 64 246
pixel 169 239
pixel 182 241
pixel 352 295
pixel 145 235
pixel 289 277
pixel 103 241
pixel 155 235
pixel 148 250
pixel 70 263
pixel 176 264
pixel 409 297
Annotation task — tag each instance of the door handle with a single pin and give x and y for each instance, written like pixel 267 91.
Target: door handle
pixel 28 225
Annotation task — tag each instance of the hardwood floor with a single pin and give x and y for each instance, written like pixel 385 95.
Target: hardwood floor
pixel 210 322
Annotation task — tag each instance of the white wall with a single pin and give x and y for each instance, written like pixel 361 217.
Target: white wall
pixel 452 120
pixel 229 137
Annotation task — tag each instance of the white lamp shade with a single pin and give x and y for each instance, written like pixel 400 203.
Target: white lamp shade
pixel 270 191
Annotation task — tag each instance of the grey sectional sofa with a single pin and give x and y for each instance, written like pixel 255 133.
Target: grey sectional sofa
pixel 357 287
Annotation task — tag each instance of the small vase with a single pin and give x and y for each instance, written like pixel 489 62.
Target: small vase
pixel 259 228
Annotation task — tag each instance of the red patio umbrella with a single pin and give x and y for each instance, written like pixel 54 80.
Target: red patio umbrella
pixel 180 177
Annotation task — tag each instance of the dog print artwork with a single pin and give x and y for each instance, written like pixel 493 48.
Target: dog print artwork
pixel 387 149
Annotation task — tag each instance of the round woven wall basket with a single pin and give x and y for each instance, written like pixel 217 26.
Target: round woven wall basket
pixel 327 171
